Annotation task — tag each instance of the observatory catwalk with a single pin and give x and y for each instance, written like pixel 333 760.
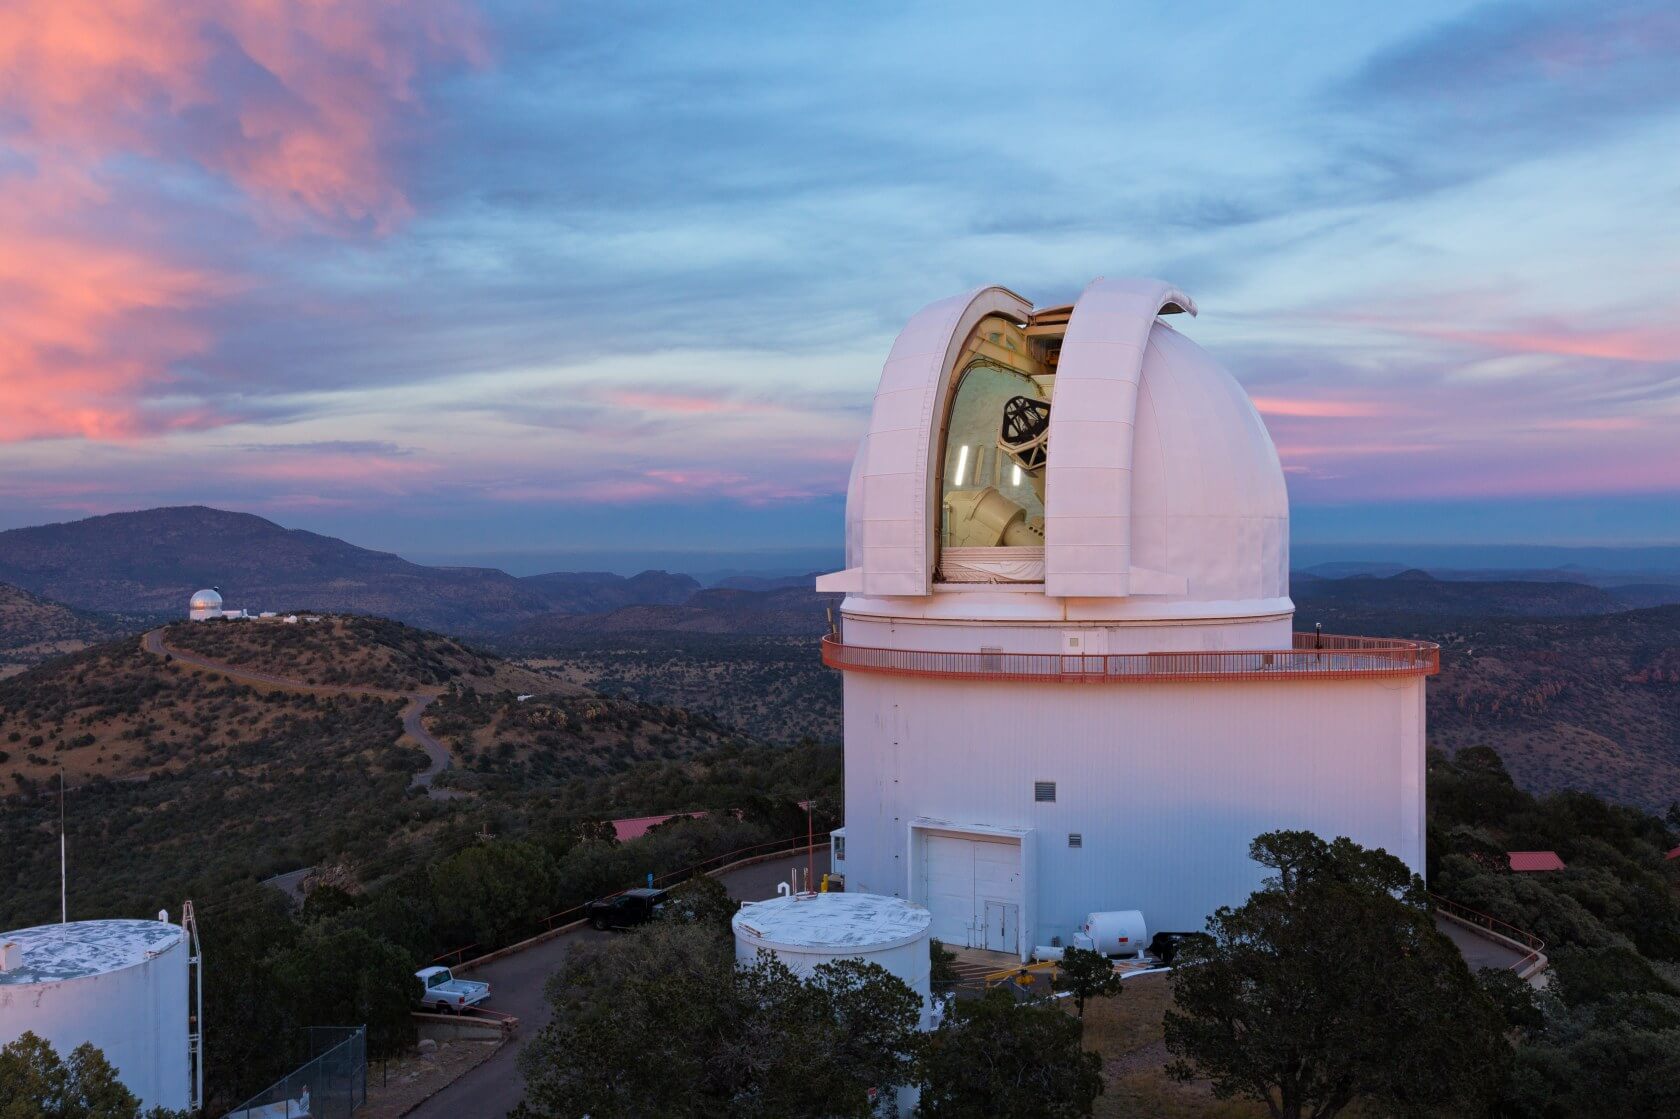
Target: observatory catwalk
pixel 1073 678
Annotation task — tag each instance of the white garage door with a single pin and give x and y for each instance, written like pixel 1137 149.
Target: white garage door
pixel 973 890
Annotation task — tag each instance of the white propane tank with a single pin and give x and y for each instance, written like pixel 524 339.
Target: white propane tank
pixel 1116 932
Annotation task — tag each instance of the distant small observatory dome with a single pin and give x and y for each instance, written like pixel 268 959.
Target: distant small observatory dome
pixel 205 605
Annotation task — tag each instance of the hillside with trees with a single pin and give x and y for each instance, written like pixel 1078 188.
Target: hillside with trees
pixel 181 777
pixel 34 629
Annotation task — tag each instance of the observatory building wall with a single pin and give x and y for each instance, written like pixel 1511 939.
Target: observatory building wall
pixel 137 1015
pixel 1163 784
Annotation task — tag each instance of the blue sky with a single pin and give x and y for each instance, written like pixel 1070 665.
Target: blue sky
pixel 496 280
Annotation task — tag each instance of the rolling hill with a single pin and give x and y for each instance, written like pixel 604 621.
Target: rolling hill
pixel 150 561
pixel 33 629
pixel 1415 592
pixel 182 776
pixel 746 657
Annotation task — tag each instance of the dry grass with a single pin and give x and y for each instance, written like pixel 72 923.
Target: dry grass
pixel 356 651
pixel 1126 1031
pixel 118 712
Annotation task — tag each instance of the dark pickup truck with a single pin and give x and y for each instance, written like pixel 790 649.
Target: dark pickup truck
pixel 626 910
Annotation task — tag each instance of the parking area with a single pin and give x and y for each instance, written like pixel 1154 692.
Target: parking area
pixel 493 1088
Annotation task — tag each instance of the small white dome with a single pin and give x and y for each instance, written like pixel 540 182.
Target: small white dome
pixel 206 600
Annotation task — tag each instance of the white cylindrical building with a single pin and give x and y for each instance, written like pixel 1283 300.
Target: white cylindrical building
pixel 805 931
pixel 1072 681
pixel 205 605
pixel 119 985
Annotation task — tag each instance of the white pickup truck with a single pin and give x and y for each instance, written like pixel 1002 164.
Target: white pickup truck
pixel 441 992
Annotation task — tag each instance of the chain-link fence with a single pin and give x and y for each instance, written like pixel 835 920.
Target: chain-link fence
pixel 332 1085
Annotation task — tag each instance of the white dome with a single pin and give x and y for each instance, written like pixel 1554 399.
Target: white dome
pixel 206 600
pixel 1160 483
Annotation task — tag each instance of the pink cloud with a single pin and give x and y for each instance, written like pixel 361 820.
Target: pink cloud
pixel 292 103
pixel 1316 409
pixel 681 403
pixel 1636 343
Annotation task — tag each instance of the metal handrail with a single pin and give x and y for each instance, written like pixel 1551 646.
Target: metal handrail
pixel 1536 946
pixel 1312 656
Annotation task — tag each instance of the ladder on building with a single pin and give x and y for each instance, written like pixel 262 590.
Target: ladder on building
pixel 195 1023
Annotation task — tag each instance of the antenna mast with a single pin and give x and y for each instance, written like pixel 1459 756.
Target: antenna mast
pixel 63 862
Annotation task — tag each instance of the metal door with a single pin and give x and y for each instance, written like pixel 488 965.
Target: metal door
pixel 1003 927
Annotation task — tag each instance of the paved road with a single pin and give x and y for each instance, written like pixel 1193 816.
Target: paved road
pixel 415 704
pixel 1479 951
pixel 495 1087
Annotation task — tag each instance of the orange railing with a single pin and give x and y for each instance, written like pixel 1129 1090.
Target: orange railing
pixel 1314 656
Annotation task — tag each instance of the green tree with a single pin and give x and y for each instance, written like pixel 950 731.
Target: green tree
pixel 942 964
pixel 493 892
pixel 1330 985
pixel 1088 974
pixel 994 1057
pixel 701 900
pixel 246 1023
pixel 345 977
pixel 663 1022
pixel 36 1084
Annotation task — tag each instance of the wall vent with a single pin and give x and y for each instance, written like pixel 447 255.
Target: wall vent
pixel 1076 839
pixel 1044 792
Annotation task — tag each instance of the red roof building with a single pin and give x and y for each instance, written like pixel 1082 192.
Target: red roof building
pixel 1524 861
pixel 634 827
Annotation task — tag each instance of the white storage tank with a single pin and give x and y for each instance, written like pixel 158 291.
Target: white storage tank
pixel 121 985
pixel 806 930
pixel 1114 932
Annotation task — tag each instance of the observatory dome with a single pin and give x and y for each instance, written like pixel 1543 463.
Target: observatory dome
pixel 1085 452
pixel 206 600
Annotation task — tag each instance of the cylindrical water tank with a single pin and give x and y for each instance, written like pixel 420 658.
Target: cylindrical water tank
pixel 1116 932
pixel 806 930
pixel 121 985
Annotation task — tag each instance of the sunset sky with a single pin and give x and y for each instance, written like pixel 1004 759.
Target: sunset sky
pixel 507 280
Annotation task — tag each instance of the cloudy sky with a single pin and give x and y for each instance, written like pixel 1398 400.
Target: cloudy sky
pixel 522 280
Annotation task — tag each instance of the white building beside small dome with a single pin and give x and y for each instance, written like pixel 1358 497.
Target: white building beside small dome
pixel 121 985
pixel 1072 681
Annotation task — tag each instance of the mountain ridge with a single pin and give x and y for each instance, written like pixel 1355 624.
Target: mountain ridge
pixel 149 562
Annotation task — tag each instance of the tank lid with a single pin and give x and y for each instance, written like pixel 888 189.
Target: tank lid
pixel 838 922
pixel 51 953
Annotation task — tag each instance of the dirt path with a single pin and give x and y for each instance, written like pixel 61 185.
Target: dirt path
pixel 415 704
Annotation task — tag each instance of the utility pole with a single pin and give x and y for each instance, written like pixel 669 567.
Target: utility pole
pixel 63 861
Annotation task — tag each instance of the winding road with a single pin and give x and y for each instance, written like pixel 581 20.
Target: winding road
pixel 415 704
pixel 492 1089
